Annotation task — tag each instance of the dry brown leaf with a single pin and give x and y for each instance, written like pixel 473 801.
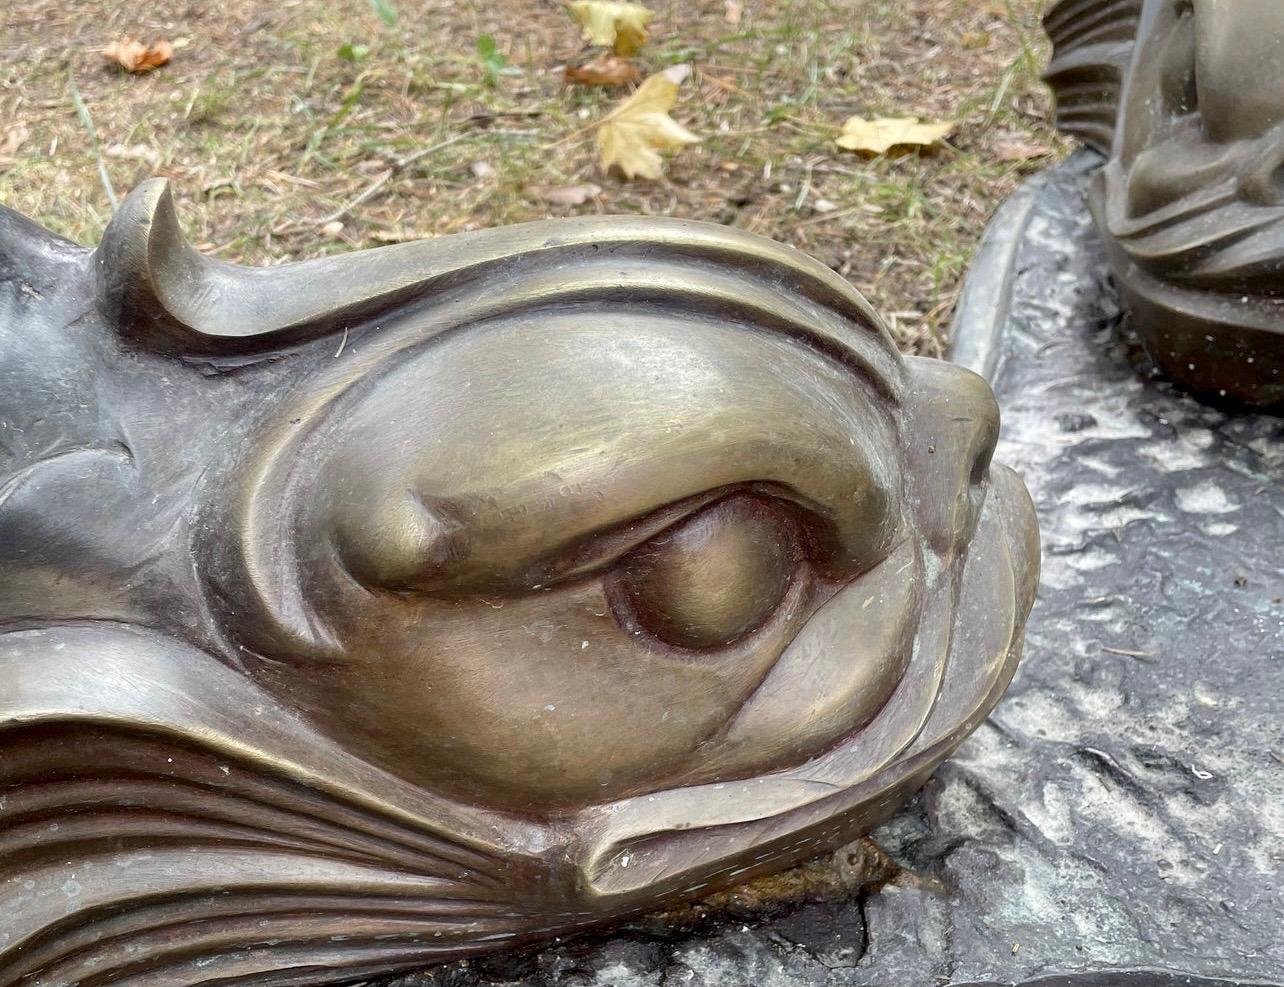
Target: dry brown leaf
pixel 881 134
pixel 134 56
pixel 976 39
pixel 568 195
pixel 1020 149
pixel 632 135
pixel 605 70
pixel 621 26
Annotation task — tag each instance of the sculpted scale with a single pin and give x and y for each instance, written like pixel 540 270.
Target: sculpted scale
pixel 376 610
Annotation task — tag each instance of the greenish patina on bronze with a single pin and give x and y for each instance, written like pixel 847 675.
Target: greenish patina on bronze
pixel 1186 98
pixel 389 608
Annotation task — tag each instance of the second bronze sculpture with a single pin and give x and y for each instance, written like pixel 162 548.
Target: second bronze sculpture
pixel 384 609
pixel 1186 97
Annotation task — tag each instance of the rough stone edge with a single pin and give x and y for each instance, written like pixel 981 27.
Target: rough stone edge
pixel 980 321
pixel 1132 977
pixel 981 314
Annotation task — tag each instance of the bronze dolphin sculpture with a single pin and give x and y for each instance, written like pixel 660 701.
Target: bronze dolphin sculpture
pixel 371 611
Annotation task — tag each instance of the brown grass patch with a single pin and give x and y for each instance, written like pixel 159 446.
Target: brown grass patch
pixel 267 132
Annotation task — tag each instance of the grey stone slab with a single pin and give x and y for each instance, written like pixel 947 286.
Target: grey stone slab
pixel 1124 806
pixel 1119 819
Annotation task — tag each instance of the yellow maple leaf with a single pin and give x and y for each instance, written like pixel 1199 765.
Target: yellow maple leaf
pixel 881 134
pixel 609 22
pixel 632 135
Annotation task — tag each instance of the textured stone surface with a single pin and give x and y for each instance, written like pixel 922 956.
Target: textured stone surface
pixel 1124 806
pixel 1119 820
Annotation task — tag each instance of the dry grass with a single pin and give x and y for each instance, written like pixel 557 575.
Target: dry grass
pixel 267 132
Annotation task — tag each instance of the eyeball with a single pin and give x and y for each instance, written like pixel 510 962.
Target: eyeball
pixel 712 579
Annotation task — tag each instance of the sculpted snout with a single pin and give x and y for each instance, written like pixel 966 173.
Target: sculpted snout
pixel 951 428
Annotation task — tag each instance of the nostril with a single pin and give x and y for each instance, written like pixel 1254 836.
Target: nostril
pixel 985 438
pixel 980 472
pixel 980 451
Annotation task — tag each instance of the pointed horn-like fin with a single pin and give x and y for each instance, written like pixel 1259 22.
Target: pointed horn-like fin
pixel 153 286
pixel 141 249
pixel 152 283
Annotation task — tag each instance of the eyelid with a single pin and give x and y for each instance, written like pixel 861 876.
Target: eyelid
pixel 603 550
pixel 600 551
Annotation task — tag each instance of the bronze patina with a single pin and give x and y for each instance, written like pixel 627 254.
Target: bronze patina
pixel 1186 97
pixel 390 608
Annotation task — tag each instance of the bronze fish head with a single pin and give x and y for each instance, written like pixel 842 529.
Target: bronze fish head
pixel 460 593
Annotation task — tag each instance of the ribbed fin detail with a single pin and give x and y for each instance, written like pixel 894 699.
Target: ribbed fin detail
pixel 1092 43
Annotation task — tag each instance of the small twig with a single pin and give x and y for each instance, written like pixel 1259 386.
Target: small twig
pixel 577 133
pixel 723 84
pixel 87 122
pixel 1127 653
pixel 423 152
pixel 370 192
pixel 394 168
pixel 803 188
pixel 827 217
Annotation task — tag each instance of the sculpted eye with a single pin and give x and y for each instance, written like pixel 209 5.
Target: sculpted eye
pixel 713 578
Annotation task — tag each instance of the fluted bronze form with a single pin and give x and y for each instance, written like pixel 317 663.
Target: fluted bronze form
pixel 1186 97
pixel 396 607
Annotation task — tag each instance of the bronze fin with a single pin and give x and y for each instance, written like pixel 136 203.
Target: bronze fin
pixel 1092 43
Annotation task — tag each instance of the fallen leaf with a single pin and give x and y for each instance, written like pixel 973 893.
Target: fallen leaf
pixel 632 135
pixel 976 39
pixel 568 195
pixel 621 26
pixel 1020 149
pixel 605 70
pixel 735 10
pixel 134 56
pixel 881 134
pixel 14 138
